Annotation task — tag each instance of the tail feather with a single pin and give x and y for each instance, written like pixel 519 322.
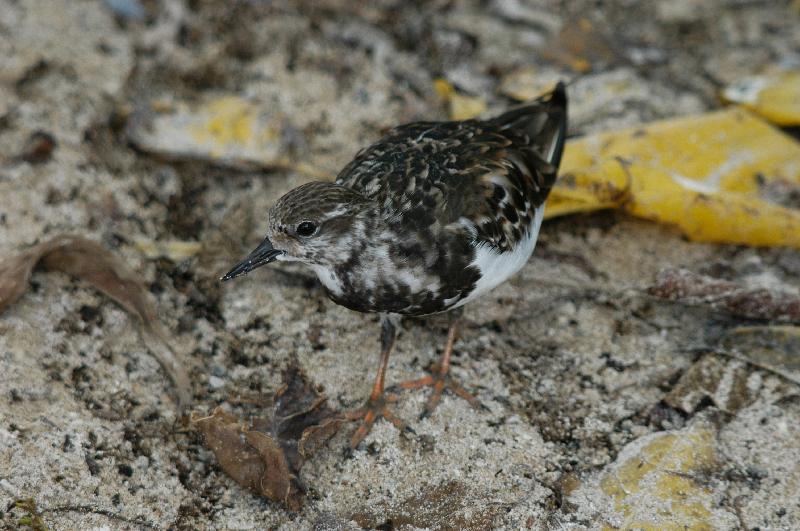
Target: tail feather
pixel 544 121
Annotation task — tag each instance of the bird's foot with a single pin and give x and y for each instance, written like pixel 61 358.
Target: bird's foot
pixel 440 380
pixel 375 408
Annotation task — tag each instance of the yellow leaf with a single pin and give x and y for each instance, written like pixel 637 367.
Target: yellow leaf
pixel 462 107
pixel 526 83
pixel 230 121
pixel 705 174
pixel 443 88
pixel 658 472
pixel 227 129
pixel 774 96
pixel 175 250
pixel 465 107
pixel 584 192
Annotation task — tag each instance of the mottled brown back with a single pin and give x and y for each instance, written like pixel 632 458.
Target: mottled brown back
pixel 494 173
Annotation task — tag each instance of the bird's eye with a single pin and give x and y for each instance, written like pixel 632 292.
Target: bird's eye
pixel 306 228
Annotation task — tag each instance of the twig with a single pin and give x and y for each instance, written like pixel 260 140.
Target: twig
pixel 87 509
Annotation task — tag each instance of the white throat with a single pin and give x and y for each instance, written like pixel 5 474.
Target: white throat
pixel 329 279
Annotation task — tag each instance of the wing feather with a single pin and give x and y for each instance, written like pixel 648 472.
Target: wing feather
pixel 490 176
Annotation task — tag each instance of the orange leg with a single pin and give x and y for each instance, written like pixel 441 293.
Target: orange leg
pixel 440 378
pixel 377 404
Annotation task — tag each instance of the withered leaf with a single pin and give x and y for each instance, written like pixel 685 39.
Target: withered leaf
pixel 39 148
pixel 724 374
pixel 251 458
pixel 772 348
pixel 753 303
pixel 721 380
pixel 267 455
pixel 91 262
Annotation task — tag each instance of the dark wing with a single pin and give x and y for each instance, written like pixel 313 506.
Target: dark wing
pixel 494 174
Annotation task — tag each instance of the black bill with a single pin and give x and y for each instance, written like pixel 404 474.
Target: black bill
pixel 263 254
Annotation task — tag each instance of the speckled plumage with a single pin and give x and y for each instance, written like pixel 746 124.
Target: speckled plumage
pixel 442 189
pixel 399 229
pixel 424 220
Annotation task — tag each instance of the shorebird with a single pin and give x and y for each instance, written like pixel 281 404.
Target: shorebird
pixel 425 220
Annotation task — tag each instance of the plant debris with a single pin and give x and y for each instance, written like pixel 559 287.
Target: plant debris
pixel 32 519
pixel 526 83
pixel 772 348
pixel 39 148
pixel 689 172
pixel 267 455
pixel 174 250
pixel 775 96
pixel 753 303
pixel 656 481
pixel 91 262
pixel 228 130
pixel 724 374
pixel 722 381
pixel 461 106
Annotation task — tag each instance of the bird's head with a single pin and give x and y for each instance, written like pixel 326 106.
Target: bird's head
pixel 315 223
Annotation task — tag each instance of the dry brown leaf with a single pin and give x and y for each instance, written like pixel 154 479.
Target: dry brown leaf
pixel 724 373
pixel 715 378
pixel 91 262
pixel 253 459
pixel 759 303
pixel 39 148
pixel 267 455
pixel 772 348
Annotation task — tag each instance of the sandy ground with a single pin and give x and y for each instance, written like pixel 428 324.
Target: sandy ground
pixel 596 414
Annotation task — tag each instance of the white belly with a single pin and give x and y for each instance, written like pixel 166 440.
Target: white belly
pixel 496 268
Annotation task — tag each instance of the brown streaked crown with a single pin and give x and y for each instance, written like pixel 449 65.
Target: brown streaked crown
pixel 318 202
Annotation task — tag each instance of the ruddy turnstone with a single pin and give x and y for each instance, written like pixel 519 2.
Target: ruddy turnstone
pixel 423 221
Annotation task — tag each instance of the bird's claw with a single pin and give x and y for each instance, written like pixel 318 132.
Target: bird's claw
pixel 440 382
pixel 375 408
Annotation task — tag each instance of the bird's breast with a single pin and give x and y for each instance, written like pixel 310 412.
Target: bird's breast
pixel 423 274
pixel 407 276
